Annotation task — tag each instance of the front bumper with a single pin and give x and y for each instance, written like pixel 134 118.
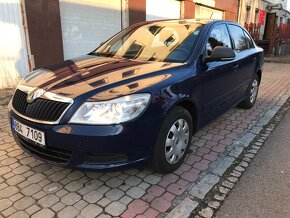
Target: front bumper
pixel 93 147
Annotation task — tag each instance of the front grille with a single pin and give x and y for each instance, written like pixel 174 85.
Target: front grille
pixel 39 109
pixel 56 155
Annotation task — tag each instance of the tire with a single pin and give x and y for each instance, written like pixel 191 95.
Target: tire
pixel 251 95
pixel 173 141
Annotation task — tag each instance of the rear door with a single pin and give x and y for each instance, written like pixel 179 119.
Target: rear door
pixel 219 77
pixel 245 56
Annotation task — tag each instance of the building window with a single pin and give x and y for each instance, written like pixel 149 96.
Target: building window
pixel 256 14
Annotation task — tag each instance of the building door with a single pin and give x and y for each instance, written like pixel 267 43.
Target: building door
pixel 13 51
pixel 270 25
pixel 87 23
pixel 162 9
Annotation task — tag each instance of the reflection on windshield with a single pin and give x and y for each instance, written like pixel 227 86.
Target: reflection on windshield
pixel 161 41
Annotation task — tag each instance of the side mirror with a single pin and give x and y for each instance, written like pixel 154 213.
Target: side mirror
pixel 221 53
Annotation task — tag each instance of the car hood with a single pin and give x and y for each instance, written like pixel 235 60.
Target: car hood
pixel 90 75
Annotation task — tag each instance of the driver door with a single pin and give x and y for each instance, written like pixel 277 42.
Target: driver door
pixel 218 77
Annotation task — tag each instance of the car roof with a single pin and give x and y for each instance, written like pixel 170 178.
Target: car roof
pixel 203 21
pixel 193 20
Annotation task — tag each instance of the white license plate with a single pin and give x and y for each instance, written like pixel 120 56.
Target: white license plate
pixel 28 132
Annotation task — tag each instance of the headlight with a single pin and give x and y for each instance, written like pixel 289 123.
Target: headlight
pixel 113 111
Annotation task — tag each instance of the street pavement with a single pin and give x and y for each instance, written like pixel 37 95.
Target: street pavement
pixel 31 188
pixel 264 189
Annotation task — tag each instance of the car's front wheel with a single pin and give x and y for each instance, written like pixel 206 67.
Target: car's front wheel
pixel 251 95
pixel 173 141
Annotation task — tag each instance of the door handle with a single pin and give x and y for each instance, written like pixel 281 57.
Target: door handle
pixel 236 67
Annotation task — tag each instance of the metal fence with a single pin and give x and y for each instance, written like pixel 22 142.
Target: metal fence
pixel 283 31
pixel 254 30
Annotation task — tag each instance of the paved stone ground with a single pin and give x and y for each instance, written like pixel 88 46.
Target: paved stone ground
pixel 5 95
pixel 210 205
pixel 278 59
pixel 29 187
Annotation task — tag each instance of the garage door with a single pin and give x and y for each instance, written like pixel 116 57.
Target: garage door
pixel 13 53
pixel 162 9
pixel 206 12
pixel 87 23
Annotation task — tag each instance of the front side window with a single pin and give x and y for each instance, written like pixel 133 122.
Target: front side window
pixel 160 42
pixel 239 38
pixel 219 36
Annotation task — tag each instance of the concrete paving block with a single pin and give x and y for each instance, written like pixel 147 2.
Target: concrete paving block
pixel 221 168
pixel 183 209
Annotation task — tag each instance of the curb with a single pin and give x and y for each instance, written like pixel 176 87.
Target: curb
pixel 201 200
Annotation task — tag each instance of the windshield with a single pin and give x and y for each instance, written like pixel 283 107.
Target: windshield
pixel 161 41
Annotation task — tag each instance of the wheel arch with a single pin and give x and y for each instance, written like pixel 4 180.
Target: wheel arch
pixel 192 109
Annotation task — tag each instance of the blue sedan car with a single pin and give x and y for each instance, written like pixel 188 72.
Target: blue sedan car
pixel 139 97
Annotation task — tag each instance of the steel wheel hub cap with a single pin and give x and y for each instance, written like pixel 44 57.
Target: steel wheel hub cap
pixel 176 141
pixel 254 91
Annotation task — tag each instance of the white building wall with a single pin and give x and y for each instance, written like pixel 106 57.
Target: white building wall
pixel 283 2
pixel 162 9
pixel 250 16
pixel 13 52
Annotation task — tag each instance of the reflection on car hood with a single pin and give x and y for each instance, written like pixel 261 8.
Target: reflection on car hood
pixel 112 77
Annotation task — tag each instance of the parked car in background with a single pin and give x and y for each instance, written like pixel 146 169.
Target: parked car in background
pixel 139 97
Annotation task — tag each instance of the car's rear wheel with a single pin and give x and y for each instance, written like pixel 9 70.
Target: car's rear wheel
pixel 173 140
pixel 251 95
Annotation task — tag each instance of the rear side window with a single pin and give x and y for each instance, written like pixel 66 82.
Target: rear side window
pixel 219 36
pixel 239 38
pixel 249 40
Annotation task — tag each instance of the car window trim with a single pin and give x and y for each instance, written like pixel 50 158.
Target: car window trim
pixel 250 38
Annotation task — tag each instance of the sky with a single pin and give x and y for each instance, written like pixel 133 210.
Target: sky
pixel 288 4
